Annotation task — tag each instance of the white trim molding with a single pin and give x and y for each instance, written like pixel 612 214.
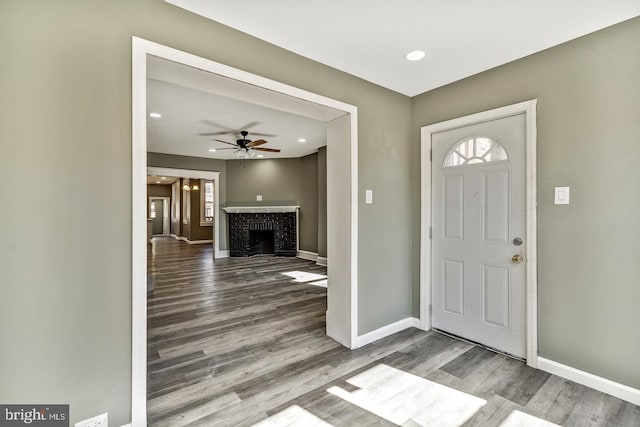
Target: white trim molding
pixel 321 260
pixel 385 331
pixel 621 391
pixel 311 256
pixel 529 109
pixel 199 242
pixel 260 209
pixel 344 250
pixel 223 254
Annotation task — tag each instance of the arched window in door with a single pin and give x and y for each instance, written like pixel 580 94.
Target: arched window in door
pixel 473 150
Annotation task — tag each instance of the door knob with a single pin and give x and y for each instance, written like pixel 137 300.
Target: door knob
pixel 517 259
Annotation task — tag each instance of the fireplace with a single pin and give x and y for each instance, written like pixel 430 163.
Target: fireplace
pixel 257 230
pixel 261 242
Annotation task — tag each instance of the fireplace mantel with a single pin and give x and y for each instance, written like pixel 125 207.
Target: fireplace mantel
pixel 260 209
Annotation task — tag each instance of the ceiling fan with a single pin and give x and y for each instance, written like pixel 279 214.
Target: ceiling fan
pixel 245 147
pixel 229 131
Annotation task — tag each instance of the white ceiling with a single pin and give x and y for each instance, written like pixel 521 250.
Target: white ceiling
pixel 186 113
pixel 370 38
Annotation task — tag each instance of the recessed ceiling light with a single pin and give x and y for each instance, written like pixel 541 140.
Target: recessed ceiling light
pixel 302 140
pixel 157 182
pixel 415 55
pixel 163 177
pixel 155 115
pixel 212 150
pixel 260 156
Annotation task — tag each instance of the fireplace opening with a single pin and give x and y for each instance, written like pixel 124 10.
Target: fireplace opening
pixel 261 242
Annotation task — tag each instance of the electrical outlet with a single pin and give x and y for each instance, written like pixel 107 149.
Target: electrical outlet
pixel 101 420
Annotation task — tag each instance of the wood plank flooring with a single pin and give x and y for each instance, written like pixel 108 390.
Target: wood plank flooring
pixel 235 342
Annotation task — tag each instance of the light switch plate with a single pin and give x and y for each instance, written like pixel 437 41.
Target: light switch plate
pixel 368 196
pixel 561 196
pixel 259 197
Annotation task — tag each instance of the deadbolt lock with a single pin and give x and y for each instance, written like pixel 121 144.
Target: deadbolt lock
pixel 517 259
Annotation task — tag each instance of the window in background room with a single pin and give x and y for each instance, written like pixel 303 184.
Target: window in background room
pixel 206 202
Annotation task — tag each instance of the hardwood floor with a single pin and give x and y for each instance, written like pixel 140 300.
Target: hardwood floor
pixel 235 342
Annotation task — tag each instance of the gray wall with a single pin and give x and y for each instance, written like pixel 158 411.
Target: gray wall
pixel 309 203
pixel 292 182
pixel 277 180
pixel 66 78
pixel 588 93
pixel 322 202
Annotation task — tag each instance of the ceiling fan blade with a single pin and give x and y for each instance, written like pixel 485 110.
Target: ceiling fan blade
pixel 215 133
pixel 256 143
pixel 212 123
pixel 225 142
pixel 248 126
pixel 270 150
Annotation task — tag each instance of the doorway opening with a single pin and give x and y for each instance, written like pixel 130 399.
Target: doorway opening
pixel 342 200
pixel 447 228
pixel 159 215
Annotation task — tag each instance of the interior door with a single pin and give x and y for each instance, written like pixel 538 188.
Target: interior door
pixel 157 216
pixel 478 220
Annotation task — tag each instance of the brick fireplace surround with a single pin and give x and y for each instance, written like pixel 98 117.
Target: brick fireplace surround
pixel 248 224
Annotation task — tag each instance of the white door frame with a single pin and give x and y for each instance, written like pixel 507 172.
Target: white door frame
pixel 198 174
pixel 342 313
pixel 529 109
pixel 166 206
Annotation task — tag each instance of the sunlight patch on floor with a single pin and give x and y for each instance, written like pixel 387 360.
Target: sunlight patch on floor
pixel 304 277
pixel 293 416
pixel 403 398
pixel 322 283
pixel 520 419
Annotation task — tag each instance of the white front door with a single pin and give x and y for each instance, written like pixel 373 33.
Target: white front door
pixel 478 220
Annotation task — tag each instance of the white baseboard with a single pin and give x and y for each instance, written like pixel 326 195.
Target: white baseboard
pixel 385 331
pixel 604 385
pixel 175 236
pixel 199 242
pixel 321 261
pixel 311 256
pixel 182 238
pixel 222 254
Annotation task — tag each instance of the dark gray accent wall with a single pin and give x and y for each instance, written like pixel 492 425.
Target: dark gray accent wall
pixel 309 203
pixel 322 202
pixel 588 93
pixel 198 232
pixel 292 182
pixel 276 180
